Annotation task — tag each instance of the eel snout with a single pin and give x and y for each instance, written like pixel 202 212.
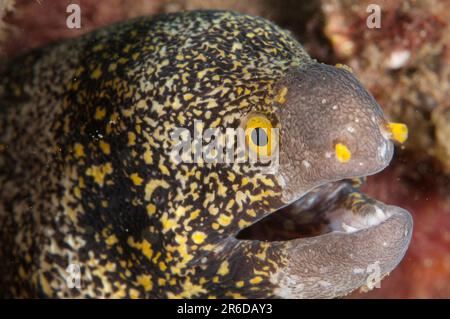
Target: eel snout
pixel 336 263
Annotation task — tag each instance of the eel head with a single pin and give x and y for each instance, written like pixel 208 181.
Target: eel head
pixel 324 237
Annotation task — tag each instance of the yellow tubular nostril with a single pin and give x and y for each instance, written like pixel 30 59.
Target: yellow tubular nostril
pixel 343 154
pixel 399 131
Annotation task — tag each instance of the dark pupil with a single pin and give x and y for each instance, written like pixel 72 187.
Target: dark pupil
pixel 259 136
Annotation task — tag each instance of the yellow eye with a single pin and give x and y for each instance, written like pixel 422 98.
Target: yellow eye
pixel 259 135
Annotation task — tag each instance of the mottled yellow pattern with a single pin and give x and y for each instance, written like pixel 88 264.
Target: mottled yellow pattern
pixel 99 189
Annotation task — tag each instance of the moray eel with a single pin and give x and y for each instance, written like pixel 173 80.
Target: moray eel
pixel 86 176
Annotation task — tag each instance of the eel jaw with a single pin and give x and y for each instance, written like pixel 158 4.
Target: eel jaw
pixel 335 239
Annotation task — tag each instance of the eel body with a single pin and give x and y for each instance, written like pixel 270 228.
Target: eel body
pixel 88 181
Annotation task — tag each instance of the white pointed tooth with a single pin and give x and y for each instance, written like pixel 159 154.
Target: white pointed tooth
pixel 348 228
pixel 380 213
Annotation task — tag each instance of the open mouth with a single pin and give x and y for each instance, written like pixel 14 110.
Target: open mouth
pixel 334 240
pixel 333 207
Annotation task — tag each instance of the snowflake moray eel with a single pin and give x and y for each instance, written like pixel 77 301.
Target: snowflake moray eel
pixel 86 177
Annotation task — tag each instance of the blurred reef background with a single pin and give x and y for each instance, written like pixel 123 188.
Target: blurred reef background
pixel 404 64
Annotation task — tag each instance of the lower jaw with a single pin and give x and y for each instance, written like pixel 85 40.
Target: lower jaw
pixel 336 263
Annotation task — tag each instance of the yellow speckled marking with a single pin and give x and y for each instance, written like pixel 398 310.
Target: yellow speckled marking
pixel 111 240
pixel 151 209
pixel 223 269
pixel 96 73
pixel 256 280
pixel 198 237
pixel 152 185
pixel 136 179
pixel 145 281
pixel 99 172
pixel 105 147
pixel 224 220
pixel 131 138
pixel 79 150
pixel 281 96
pixel 100 113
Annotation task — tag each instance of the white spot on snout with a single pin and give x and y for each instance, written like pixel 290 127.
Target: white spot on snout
pixel 306 164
